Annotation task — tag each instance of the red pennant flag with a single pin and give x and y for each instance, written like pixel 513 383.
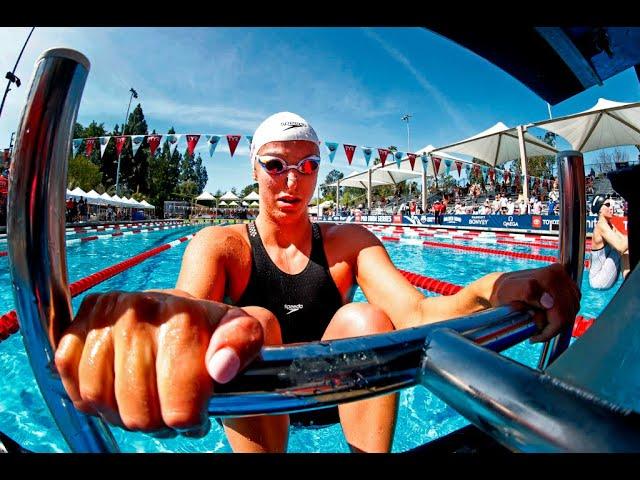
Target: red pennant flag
pixel 383 152
pixel 507 176
pixel 492 173
pixel 349 151
pixel 153 141
pixel 436 164
pixel 233 140
pixel 458 166
pixel 120 141
pixel 476 169
pixel 192 141
pixel 412 159
pixel 89 146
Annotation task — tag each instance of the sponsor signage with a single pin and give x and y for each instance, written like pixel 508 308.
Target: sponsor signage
pixel 512 222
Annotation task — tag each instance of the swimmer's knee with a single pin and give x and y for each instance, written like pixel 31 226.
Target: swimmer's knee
pixel 269 322
pixel 357 319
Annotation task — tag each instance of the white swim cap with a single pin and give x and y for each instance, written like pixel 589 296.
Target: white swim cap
pixel 282 127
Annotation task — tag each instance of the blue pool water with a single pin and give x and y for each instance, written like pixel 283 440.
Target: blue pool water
pixel 422 416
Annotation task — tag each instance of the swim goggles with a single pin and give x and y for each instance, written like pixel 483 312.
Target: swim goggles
pixel 275 165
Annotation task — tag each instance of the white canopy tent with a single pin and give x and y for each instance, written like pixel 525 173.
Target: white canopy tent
pixel 606 124
pixel 223 203
pixel 252 197
pixel 233 204
pixel 76 193
pixel 500 144
pixel 146 204
pixel 229 196
pixel 205 196
pixel 254 204
pixel 94 198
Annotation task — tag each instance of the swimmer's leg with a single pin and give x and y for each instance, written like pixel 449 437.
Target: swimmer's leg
pixel 264 433
pixel 368 425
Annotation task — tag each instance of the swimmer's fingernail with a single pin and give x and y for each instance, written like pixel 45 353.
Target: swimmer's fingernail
pixel 546 300
pixel 224 365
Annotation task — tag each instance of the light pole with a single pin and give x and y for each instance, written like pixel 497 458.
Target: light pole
pixel 406 118
pixel 134 94
pixel 11 75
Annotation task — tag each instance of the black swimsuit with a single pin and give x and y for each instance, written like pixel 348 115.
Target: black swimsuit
pixel 304 303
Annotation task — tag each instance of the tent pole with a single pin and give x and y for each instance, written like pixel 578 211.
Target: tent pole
pixel 523 162
pixel 369 190
pixel 338 198
pixel 424 187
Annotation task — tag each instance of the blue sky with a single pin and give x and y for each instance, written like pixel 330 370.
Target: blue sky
pixel 352 84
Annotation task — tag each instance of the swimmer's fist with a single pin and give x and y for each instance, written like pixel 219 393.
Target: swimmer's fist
pixel 550 290
pixel 147 360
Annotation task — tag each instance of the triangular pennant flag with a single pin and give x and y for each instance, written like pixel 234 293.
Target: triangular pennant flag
pixel 476 169
pixel 136 141
pixel 436 165
pixel 120 141
pixel 88 146
pixel 492 174
pixel 212 140
pixel 398 156
pixel 76 145
pixel 412 159
pixel 104 141
pixel 458 167
pixel 383 152
pixel 367 154
pixel 424 157
pixel 506 175
pixel 485 171
pixel 349 150
pixel 233 140
pixel 447 164
pixel 249 139
pixel 532 182
pixel 153 141
pixel 333 147
pixel 467 169
pixel 192 141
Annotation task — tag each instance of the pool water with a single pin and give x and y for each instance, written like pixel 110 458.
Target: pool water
pixel 422 417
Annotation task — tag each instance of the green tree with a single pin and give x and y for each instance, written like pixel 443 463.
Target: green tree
pixel 164 174
pixel 134 171
pixel 82 173
pixel 248 189
pixel 201 176
pixel 327 192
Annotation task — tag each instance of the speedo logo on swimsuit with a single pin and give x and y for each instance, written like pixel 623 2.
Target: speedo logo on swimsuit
pixel 292 125
pixel 293 308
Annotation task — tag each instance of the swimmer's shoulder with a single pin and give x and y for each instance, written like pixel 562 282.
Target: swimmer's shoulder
pixel 221 240
pixel 348 234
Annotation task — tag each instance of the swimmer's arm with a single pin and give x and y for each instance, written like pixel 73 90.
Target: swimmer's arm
pixel 614 238
pixel 202 274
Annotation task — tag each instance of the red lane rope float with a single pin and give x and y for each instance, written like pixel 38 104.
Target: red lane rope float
pixel 434 285
pixel 492 251
pixel 9 321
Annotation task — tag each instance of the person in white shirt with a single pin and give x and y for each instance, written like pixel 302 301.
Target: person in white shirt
pixel 537 207
pixel 510 207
